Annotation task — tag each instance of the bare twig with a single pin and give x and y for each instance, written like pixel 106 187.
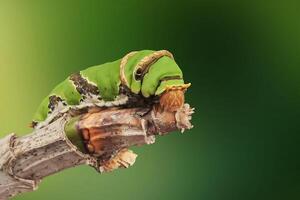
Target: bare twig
pixel 25 161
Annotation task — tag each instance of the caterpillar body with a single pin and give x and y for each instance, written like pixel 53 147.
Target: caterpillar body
pixel 140 76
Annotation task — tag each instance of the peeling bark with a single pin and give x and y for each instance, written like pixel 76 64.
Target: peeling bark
pixel 25 161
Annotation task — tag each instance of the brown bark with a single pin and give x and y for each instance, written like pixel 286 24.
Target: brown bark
pixel 25 161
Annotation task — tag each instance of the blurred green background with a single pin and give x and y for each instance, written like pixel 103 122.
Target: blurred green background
pixel 241 58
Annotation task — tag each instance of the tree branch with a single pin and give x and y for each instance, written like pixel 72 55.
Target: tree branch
pixel 25 161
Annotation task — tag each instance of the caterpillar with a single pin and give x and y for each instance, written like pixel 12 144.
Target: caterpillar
pixel 140 78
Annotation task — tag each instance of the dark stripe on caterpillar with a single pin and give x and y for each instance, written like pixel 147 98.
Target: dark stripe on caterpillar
pixel 53 102
pixel 171 78
pixel 82 85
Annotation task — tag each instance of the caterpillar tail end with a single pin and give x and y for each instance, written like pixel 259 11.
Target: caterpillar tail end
pixel 32 124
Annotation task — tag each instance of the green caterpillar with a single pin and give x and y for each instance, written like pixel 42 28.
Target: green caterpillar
pixel 143 74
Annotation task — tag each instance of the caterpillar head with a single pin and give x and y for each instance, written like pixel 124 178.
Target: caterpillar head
pixel 173 97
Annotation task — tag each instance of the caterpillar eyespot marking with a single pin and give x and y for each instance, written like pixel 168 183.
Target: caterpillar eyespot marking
pixel 138 79
pixel 138 74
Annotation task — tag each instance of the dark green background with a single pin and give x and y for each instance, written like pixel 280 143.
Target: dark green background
pixel 241 58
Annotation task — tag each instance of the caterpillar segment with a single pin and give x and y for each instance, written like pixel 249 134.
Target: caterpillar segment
pixel 140 78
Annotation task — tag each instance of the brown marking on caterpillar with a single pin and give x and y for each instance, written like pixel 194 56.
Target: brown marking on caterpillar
pixel 82 85
pixel 53 102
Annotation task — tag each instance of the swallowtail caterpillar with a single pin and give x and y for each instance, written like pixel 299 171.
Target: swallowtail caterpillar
pixel 140 78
